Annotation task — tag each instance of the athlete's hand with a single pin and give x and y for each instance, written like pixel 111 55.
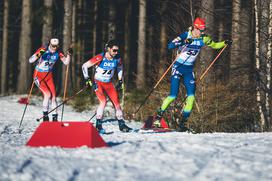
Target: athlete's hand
pixel 120 85
pixel 188 41
pixel 41 52
pixel 89 82
pixel 95 86
pixel 228 42
pixel 70 51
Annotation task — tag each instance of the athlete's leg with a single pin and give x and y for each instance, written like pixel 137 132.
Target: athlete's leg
pixel 189 83
pixel 112 93
pixel 102 100
pixel 51 86
pixel 174 88
pixel 40 83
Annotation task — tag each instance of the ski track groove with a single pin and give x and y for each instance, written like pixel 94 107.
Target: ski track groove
pixel 75 174
pixel 24 165
pixel 130 156
pixel 216 156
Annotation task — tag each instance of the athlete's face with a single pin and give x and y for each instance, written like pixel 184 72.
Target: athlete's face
pixel 197 32
pixel 113 51
pixel 53 48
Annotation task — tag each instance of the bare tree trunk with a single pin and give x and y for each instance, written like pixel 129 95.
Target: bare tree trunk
pixel 95 27
pixel 235 48
pixel 207 12
pixel 264 39
pixel 126 43
pixel 47 21
pixel 105 26
pixel 257 61
pixel 73 39
pixel 163 41
pixel 5 48
pixel 67 36
pixel 111 21
pixel 268 69
pixel 191 11
pixel 24 77
pixel 140 81
pixel 79 42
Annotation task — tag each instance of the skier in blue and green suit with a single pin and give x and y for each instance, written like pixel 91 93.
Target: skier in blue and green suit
pixel 190 44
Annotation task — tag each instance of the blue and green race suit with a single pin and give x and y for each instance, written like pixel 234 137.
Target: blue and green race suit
pixel 183 67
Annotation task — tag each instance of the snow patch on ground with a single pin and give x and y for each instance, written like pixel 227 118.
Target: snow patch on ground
pixel 131 156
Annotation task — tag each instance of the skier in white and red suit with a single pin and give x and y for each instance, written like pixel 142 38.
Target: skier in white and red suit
pixel 46 58
pixel 105 65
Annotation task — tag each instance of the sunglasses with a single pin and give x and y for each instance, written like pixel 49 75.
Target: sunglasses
pixel 201 30
pixel 115 50
pixel 54 46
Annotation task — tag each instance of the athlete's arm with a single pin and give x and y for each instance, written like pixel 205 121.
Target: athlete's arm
pixel 37 55
pixel 93 61
pixel 215 45
pixel 65 60
pixel 178 41
pixel 120 70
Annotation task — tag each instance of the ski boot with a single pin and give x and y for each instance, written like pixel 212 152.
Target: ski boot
pixel 45 116
pixel 123 127
pixel 55 117
pixel 157 121
pixel 183 128
pixel 99 127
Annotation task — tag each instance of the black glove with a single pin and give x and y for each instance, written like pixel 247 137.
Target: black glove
pixel 119 85
pixel 70 51
pixel 188 41
pixel 228 42
pixel 89 82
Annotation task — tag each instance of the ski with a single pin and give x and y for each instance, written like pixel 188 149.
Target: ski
pixel 106 133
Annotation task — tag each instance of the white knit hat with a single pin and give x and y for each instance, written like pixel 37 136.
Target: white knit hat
pixel 54 41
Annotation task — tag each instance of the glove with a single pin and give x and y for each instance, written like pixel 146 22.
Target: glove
pixel 119 85
pixel 188 41
pixel 94 86
pixel 41 53
pixel 228 42
pixel 89 82
pixel 70 51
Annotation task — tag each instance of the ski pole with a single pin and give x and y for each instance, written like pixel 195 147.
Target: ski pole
pixel 27 102
pixel 96 112
pixel 65 89
pixel 205 72
pixel 158 82
pixel 28 97
pixel 67 99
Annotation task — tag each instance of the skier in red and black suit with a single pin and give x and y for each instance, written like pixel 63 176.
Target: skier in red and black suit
pixel 43 76
pixel 105 65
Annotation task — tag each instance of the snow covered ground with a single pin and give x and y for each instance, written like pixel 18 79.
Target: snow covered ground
pixel 132 156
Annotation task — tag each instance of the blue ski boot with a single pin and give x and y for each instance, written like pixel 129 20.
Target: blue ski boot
pixel 99 127
pixel 123 127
